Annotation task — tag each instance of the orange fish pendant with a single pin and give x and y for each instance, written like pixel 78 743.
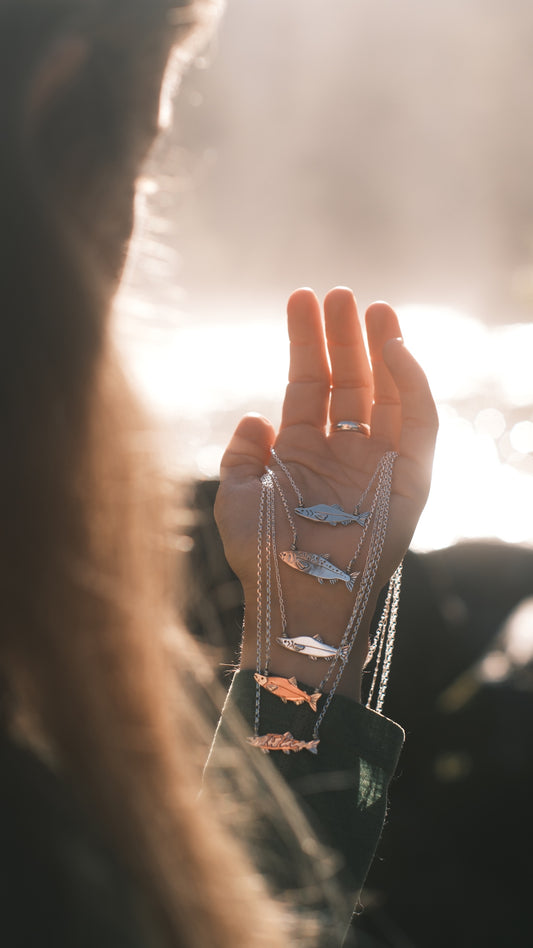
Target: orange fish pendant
pixel 287 689
pixel 283 742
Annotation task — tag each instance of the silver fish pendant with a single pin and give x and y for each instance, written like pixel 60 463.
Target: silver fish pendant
pixel 313 647
pixel 332 514
pixel 318 566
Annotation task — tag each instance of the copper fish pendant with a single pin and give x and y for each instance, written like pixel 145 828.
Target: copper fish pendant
pixel 283 742
pixel 332 514
pixel 313 647
pixel 319 566
pixel 287 689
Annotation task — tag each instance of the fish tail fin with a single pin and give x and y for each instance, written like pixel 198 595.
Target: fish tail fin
pixel 314 748
pixel 313 699
pixel 350 583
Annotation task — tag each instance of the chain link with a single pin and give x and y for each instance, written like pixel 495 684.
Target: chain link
pixel 377 540
pixel 275 560
pixel 288 474
pixel 388 636
pixel 268 563
pixel 259 601
pixel 286 506
pixel 267 553
pixel 292 482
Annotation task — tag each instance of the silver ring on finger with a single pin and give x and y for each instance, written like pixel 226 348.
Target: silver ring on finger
pixel 359 427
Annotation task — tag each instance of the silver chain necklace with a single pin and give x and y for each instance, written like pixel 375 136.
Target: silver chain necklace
pixel 332 514
pixel 382 644
pixel 314 564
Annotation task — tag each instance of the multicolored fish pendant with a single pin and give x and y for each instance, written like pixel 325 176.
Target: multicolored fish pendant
pixel 318 566
pixel 332 514
pixel 313 647
pixel 287 689
pixel 283 742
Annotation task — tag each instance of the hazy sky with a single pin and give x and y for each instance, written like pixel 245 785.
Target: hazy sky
pixel 387 146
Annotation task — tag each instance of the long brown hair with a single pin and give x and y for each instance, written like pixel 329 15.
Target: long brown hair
pixel 83 570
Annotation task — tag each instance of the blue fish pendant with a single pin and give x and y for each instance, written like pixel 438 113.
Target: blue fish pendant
pixel 319 566
pixel 332 514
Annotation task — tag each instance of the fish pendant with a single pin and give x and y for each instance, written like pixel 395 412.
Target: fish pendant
pixel 332 514
pixel 283 742
pixel 318 566
pixel 287 689
pixel 313 647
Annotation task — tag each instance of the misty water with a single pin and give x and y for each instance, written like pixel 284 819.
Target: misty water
pixel 387 147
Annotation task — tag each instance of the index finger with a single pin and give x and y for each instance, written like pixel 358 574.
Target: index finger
pixel 307 395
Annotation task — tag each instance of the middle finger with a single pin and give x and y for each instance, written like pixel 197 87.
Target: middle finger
pixel 351 377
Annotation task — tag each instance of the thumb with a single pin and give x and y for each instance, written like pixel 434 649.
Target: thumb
pixel 249 448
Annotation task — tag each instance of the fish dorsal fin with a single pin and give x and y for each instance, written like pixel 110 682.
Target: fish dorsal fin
pixel 292 681
pixel 318 639
pixel 326 555
pixel 337 507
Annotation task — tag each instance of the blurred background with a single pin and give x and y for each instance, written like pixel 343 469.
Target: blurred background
pixel 384 146
pixel 388 147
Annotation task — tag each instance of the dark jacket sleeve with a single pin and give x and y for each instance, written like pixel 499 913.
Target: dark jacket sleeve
pixel 60 884
pixel 342 790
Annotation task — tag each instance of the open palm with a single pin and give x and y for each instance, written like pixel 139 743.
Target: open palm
pixel 330 380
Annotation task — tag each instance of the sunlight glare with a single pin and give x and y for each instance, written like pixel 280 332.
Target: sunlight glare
pixel 200 377
pixel 453 348
pixel 518 633
pixel 521 437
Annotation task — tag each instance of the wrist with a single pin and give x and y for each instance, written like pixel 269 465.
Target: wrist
pixel 309 618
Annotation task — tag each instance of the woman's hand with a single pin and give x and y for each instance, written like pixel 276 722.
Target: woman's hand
pixel 391 395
